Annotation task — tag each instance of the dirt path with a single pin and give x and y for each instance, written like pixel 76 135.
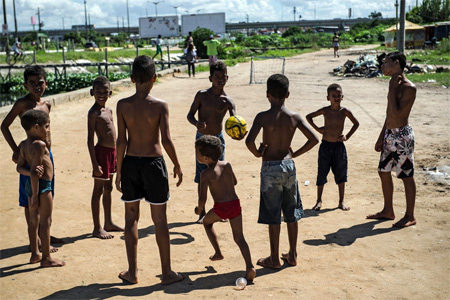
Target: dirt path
pixel 341 254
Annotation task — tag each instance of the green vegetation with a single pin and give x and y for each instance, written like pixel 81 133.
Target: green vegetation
pixel 429 11
pixel 434 78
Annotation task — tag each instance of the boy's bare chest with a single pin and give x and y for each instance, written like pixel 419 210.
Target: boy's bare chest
pixel 216 104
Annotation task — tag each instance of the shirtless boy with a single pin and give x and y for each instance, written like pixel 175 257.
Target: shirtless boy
pixel 396 141
pixel 141 171
pixel 332 152
pixel 34 153
pixel 35 83
pixel 212 105
pixel 103 156
pixel 279 187
pixel 220 179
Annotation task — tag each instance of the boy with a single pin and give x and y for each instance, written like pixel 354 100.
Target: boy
pixel 35 83
pixel 211 48
pixel 279 187
pixel 158 47
pixel 332 152
pixel 103 156
pixel 220 179
pixel 34 152
pixel 212 105
pixel 336 44
pixel 142 172
pixel 396 141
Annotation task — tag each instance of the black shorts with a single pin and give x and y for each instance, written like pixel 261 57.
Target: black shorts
pixel 144 177
pixel 334 156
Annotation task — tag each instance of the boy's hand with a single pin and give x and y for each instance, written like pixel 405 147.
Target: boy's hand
pixel 396 81
pixel 342 138
pixel 177 172
pixel 262 148
pixel 97 171
pixel 34 202
pixel 379 145
pixel 40 171
pixel 197 211
pixel 201 125
pixel 118 177
pixel 15 156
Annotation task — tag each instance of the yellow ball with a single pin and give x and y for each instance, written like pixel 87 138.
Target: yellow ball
pixel 236 127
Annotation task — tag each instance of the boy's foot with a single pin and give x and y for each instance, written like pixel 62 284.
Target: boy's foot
pixel 343 206
pixel 382 216
pixel 173 277
pixel 52 262
pixel 267 263
pixel 405 222
pixel 52 249
pixel 216 256
pixel 318 206
pixel 290 261
pixel 127 278
pixel 35 258
pixel 55 240
pixel 102 234
pixel 113 227
pixel 250 274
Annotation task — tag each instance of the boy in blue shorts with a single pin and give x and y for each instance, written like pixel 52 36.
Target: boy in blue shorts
pixel 332 152
pixel 279 187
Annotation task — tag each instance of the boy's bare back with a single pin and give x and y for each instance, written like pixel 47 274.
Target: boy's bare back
pixel 104 125
pixel 31 150
pixel 221 180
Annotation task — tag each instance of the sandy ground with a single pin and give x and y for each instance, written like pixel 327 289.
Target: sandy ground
pixel 341 254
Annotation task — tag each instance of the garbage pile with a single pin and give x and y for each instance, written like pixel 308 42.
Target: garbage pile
pixel 366 66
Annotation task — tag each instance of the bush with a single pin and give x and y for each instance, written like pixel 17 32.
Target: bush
pixel 443 47
pixel 294 30
pixel 200 35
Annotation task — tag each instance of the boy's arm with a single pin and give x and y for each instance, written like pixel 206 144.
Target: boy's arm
pixel 21 165
pixel 250 141
pixel 193 110
pixel 234 176
pixel 203 193
pixel 13 113
pixel 379 143
pixel 38 150
pixel 167 143
pixel 312 138
pixel 312 115
pixel 355 126
pixel 92 118
pixel 121 144
pixel 231 106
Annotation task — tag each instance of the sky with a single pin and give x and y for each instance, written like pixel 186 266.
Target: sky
pixel 105 13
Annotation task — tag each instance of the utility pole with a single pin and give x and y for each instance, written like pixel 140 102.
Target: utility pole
pixel 396 23
pixel 15 19
pixel 39 20
pixel 128 16
pixel 248 32
pixel 118 28
pixel 5 23
pixel 401 36
pixel 295 10
pixel 85 21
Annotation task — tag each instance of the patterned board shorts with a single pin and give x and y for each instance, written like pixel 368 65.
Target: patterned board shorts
pixel 398 152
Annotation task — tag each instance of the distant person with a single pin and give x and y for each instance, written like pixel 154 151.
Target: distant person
pixel 158 47
pixel 103 156
pixel 17 49
pixel 211 105
pixel 33 154
pixel 191 58
pixel 279 187
pixel 189 39
pixel 396 141
pixel 332 152
pixel 336 44
pixel 142 122
pixel 211 49
pixel 220 179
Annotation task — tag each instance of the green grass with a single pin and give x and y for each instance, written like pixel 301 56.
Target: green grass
pixel 440 78
pixel 429 57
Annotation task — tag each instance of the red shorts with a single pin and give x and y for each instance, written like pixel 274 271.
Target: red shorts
pixel 106 158
pixel 228 210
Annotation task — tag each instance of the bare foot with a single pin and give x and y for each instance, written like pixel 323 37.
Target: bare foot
pixel 343 206
pixel 127 278
pixel 55 240
pixel 318 206
pixel 112 227
pixel 405 222
pixel 381 215
pixel 290 261
pixel 52 249
pixel 173 277
pixel 267 263
pixel 216 256
pixel 250 274
pixel 102 234
pixel 35 258
pixel 52 262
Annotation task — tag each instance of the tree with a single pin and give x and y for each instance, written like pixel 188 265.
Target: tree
pixel 200 35
pixel 294 30
pixel 375 15
pixel 430 11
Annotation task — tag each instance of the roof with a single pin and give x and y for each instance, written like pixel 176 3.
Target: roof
pixel 408 26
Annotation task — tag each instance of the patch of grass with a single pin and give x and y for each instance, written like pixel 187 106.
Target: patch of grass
pixel 440 78
pixel 429 57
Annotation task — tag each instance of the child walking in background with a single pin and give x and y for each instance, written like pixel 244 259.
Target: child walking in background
pixel 103 156
pixel 332 152
pixel 220 179
pixel 191 58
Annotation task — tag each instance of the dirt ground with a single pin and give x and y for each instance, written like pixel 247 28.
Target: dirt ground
pixel 341 254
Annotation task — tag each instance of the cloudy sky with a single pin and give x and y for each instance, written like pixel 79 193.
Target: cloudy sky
pixel 105 13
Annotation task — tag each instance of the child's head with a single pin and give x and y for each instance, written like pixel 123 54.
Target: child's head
pixel 190 47
pixel 37 121
pixel 159 36
pixel 35 80
pixel 218 74
pixel 217 66
pixel 334 94
pixel 392 58
pixel 143 69
pixel 34 70
pixel 278 86
pixel 209 146
pixel 333 87
pixel 101 89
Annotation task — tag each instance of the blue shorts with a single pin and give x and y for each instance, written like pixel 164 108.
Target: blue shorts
pixel 199 168
pixel 334 156
pixel 23 198
pixel 279 193
pixel 45 185
pixel 145 177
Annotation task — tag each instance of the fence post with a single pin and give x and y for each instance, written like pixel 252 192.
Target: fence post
pixel 34 56
pixel 64 61
pixel 137 51
pixel 168 54
pixel 106 60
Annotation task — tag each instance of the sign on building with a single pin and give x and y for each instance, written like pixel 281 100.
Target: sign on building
pixel 153 26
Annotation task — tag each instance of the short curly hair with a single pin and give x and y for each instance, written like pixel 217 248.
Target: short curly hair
pixel 278 86
pixel 209 145
pixel 32 117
